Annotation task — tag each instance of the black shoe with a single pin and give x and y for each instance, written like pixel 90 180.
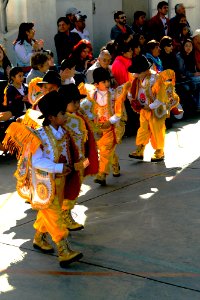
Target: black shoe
pixel 136 156
pixel 101 182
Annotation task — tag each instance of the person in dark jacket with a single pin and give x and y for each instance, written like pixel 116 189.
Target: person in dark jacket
pixel 64 39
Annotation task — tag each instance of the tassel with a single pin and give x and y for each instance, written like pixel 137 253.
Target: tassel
pixel 17 136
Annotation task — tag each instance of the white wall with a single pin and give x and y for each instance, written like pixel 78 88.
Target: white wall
pixel 104 21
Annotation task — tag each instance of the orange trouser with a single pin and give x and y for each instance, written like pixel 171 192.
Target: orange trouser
pixel 106 146
pixel 50 220
pixel 151 128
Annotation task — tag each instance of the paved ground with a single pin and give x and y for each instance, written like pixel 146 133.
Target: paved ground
pixel 141 237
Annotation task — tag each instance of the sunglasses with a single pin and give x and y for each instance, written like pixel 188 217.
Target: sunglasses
pixel 123 17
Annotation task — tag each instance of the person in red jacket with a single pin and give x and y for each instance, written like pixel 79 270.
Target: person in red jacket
pixel 158 25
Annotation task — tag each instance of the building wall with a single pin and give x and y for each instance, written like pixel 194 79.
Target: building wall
pixel 130 7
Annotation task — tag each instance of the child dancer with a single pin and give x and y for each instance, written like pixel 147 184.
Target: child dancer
pixel 153 96
pixel 51 157
pixel 109 115
pixel 78 124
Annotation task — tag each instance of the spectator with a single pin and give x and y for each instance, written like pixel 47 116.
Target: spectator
pixel 183 33
pixel 50 55
pixel 5 64
pixel 121 63
pixel 25 45
pixel 187 77
pixel 39 64
pixel 71 15
pixel 196 42
pixel 121 74
pixel 67 71
pixel 15 97
pixel 153 52
pixel 111 46
pixel 104 60
pixel 139 25
pixel 121 26
pixel 159 24
pixel 174 22
pixel 64 39
pixel 136 46
pixel 80 27
pixel 167 55
pixel 82 54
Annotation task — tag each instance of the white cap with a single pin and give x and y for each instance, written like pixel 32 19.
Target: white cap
pixel 72 11
pixel 197 32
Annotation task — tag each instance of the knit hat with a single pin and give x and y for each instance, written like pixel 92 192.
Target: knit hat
pixel 139 64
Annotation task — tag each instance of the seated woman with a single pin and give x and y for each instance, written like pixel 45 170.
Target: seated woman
pixel 183 33
pixel 5 64
pixel 82 54
pixel 188 79
pixel 122 62
pixel 25 45
pixel 153 52
pixel 167 55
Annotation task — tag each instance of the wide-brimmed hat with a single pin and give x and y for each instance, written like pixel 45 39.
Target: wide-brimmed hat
pixel 100 74
pixel 139 64
pixel 70 92
pixel 51 104
pixel 51 77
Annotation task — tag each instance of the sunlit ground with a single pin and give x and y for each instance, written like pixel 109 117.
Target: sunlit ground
pixel 181 149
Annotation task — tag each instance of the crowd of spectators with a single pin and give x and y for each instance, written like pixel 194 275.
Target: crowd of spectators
pixel 167 43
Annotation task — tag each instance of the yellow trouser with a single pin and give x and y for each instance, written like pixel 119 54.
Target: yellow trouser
pixel 106 146
pixel 50 220
pixel 151 128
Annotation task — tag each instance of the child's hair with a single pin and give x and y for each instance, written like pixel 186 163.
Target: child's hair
pixel 38 59
pixel 13 72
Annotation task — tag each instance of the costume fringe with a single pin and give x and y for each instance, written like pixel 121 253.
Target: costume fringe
pixel 17 136
pixel 31 119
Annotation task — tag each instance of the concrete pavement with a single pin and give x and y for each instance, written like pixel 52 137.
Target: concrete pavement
pixel 141 237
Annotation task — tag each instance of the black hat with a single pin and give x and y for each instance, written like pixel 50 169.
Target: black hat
pixel 80 17
pixel 70 92
pixel 139 64
pixel 51 104
pixel 100 74
pixel 51 77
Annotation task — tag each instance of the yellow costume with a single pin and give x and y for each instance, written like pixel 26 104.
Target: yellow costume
pixel 42 155
pixel 107 106
pixel 153 98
